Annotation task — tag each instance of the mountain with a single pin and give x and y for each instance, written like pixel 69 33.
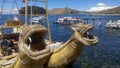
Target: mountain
pixel 66 11
pixel 41 10
pixel 115 10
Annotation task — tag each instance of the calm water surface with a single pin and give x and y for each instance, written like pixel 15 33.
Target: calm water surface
pixel 105 54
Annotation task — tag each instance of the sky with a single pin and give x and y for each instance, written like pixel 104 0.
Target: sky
pixel 82 5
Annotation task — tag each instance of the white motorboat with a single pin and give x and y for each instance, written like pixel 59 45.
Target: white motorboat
pixel 39 19
pixel 67 20
pixel 115 24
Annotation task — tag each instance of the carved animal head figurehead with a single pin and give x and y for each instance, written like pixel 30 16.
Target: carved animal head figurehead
pixel 32 42
pixel 82 34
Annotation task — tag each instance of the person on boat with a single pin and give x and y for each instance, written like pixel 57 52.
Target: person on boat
pixel 10 46
pixel 4 47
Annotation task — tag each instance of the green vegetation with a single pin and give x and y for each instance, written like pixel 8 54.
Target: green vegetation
pixel 35 10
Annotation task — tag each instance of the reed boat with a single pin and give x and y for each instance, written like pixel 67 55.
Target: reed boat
pixel 14 26
pixel 10 30
pixel 36 52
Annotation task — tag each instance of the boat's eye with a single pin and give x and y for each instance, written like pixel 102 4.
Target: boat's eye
pixel 78 29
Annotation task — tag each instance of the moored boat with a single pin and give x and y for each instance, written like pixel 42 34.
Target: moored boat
pixel 39 19
pixel 67 20
pixel 115 24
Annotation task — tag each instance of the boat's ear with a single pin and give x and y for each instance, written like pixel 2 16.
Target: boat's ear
pixel 73 28
pixel 76 27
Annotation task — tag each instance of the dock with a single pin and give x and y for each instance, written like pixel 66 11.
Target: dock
pixel 85 20
pixel 91 20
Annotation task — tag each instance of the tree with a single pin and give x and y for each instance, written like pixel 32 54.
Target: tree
pixel 35 10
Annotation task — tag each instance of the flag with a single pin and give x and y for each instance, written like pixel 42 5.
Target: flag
pixel 60 16
pixel 23 1
pixel 21 9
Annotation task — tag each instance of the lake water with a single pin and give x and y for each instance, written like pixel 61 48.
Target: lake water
pixel 105 54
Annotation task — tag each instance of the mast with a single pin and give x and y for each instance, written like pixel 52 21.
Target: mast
pixel 31 13
pixel 3 2
pixel 26 13
pixel 67 8
pixel 49 32
pixel 48 24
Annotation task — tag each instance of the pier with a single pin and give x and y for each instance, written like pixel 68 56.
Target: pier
pixel 86 20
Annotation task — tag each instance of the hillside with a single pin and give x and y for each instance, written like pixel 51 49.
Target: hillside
pixel 115 10
pixel 66 11
pixel 41 10
pixel 35 10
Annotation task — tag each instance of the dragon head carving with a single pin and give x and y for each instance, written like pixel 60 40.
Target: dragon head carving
pixel 32 42
pixel 82 34
pixel 33 52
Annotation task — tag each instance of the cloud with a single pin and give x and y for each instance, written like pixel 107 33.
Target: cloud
pixel 9 11
pixel 101 4
pixel 100 7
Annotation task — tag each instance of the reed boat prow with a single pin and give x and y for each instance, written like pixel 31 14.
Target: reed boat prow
pixel 70 50
pixel 36 52
pixel 33 47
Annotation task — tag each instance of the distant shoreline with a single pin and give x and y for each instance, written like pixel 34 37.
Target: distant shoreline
pixel 91 14
pixel 106 14
pixel 68 14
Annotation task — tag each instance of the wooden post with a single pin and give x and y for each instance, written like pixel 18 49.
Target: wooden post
pixel 100 22
pixel 26 12
pixel 86 21
pixel 1 33
pixel 110 21
pixel 49 32
pixel 93 21
pixel 31 13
